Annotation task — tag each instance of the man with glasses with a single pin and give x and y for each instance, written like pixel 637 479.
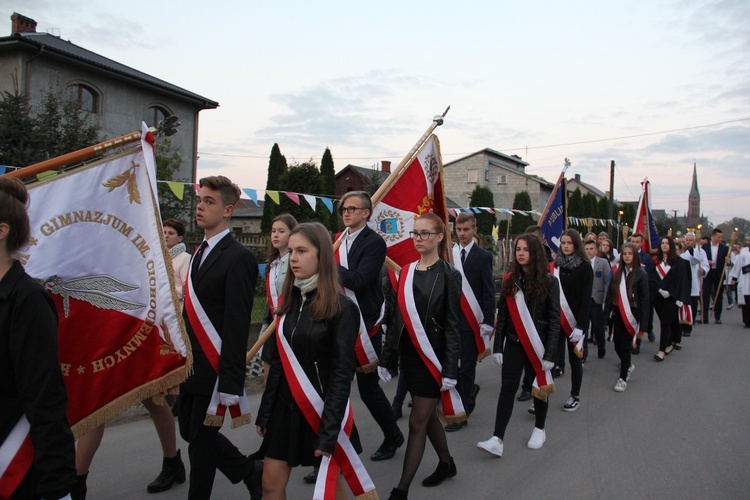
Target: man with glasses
pixel 361 257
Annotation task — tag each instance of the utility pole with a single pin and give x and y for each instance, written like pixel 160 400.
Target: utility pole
pixel 611 198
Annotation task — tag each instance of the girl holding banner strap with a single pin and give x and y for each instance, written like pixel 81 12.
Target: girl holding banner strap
pixel 276 271
pixel 429 299
pixel 304 416
pixel 573 270
pixel 527 335
pixel 627 307
pixel 37 455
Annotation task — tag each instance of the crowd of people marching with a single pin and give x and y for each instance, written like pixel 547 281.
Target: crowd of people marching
pixel 340 313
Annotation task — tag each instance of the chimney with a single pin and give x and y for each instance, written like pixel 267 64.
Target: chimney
pixel 22 24
pixel 578 177
pixel 385 166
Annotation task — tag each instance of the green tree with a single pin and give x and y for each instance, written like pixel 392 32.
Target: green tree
pixel 276 169
pixel 303 178
pixel 575 204
pixel 168 162
pixel 519 222
pixel 17 135
pixel 482 197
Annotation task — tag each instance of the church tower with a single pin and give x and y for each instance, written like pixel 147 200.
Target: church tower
pixel 694 201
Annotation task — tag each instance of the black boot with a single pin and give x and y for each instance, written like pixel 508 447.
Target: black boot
pixel 444 471
pixel 172 470
pixel 79 490
pixel 397 494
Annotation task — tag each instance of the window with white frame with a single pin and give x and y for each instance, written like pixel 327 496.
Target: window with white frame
pixel 487 175
pixel 472 176
pixel 502 179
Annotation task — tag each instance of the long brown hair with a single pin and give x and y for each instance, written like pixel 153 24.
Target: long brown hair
pixel 577 244
pixel 615 285
pixel 536 283
pixel 290 222
pixel 439 226
pixel 671 254
pixel 13 200
pixel 325 303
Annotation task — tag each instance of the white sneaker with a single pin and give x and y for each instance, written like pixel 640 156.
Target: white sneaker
pixel 537 439
pixel 729 307
pixel 532 410
pixel 493 446
pixel 621 385
pixel 630 370
pixel 571 404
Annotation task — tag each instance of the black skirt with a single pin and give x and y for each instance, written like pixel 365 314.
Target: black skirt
pixel 419 380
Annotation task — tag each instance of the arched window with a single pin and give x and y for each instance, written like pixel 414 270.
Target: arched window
pixel 155 114
pixel 85 97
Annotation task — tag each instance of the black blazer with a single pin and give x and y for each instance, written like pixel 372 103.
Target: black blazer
pixel 721 260
pixel 577 284
pixel 673 282
pixel 366 257
pixel 225 286
pixel 478 272
pixel 639 299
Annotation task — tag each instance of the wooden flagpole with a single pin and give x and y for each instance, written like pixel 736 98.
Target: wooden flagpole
pixel 700 276
pixel 75 156
pixel 732 241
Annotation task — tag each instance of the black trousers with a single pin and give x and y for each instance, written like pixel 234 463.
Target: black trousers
pixel 467 368
pixel 596 316
pixel 514 362
pixel 208 449
pixel 623 344
pixel 375 399
pixel 670 321
pixel 710 286
pixel 746 311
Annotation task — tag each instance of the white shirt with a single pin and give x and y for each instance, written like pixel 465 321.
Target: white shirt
pixel 714 254
pixel 350 237
pixel 467 247
pixel 212 241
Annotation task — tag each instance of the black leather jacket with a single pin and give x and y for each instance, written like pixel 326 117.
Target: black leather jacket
pixel 546 316
pixel 639 299
pixel 442 325
pixel 325 350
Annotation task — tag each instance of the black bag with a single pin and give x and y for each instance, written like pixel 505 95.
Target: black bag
pixel 746 269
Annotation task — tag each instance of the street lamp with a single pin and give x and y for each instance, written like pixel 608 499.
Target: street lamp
pixel 619 216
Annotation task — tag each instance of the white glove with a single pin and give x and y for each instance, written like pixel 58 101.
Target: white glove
pixel 498 358
pixel 485 330
pixel 448 383
pixel 547 365
pixel 576 335
pixel 228 399
pixel 664 293
pixel 66 497
pixel 679 303
pixel 384 374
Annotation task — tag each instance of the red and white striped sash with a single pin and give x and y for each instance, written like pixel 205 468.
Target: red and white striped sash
pixel 367 358
pixel 544 384
pixel 311 405
pixel 623 304
pixel 16 457
pixel 272 294
pixel 210 343
pixel 471 308
pixel 686 314
pixel 568 320
pixel 662 269
pixel 450 408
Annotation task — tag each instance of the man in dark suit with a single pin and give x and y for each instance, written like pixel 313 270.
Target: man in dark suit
pixel 602 277
pixel 717 253
pixel 648 265
pixel 223 275
pixel 475 264
pixel 365 255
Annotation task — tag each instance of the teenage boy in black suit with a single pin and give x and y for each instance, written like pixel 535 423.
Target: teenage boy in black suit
pixel 717 253
pixel 223 274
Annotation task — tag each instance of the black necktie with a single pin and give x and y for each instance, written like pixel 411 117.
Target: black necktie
pixel 199 256
pixel 463 256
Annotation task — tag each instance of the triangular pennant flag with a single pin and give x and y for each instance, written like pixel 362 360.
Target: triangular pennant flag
pixel 458 210
pixel 328 203
pixel 274 195
pixel 452 212
pixel 310 199
pixel 292 196
pixel 489 210
pixel 197 187
pixel 2 169
pixel 46 175
pixel 177 188
pixel 252 194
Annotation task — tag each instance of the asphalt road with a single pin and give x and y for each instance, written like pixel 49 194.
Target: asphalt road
pixel 681 430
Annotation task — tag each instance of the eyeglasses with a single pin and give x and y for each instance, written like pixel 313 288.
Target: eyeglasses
pixel 424 235
pixel 350 210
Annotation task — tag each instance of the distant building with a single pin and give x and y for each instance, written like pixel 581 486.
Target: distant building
pixel 576 183
pixel 119 96
pixel 247 217
pixel 694 201
pixel 354 178
pixel 503 174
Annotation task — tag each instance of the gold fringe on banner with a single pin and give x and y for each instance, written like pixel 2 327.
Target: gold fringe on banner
pixel 213 420
pixel 452 419
pixel 369 495
pixel 241 420
pixel 370 368
pixel 578 352
pixel 483 354
pixel 543 392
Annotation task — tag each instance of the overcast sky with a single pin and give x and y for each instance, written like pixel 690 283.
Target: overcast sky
pixel 526 78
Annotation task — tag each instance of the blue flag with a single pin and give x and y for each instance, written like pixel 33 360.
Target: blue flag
pixel 553 221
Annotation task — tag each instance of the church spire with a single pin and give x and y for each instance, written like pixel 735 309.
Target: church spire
pixel 694 187
pixel 694 200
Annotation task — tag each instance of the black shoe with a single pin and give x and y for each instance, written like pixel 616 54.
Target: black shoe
pixel 718 321
pixel 747 326
pixel 444 471
pixel 558 372
pixel 387 449
pixel 397 494
pixel 254 480
pixel 685 334
pixel 172 471
pixel 524 396
pixel 636 350
pixel 79 489
pixel 397 413
pixel 456 426
pixel 474 392
pixel 651 336
pixel 311 477
pixel 601 354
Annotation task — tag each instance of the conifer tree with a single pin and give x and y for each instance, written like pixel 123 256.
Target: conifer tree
pixel 276 169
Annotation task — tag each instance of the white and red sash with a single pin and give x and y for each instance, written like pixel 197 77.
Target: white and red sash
pixel 272 294
pixel 568 320
pixel 686 314
pixel 471 308
pixel 367 358
pixel 544 384
pixel 311 405
pixel 662 269
pixel 626 313
pixel 16 457
pixel 450 407
pixel 210 342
